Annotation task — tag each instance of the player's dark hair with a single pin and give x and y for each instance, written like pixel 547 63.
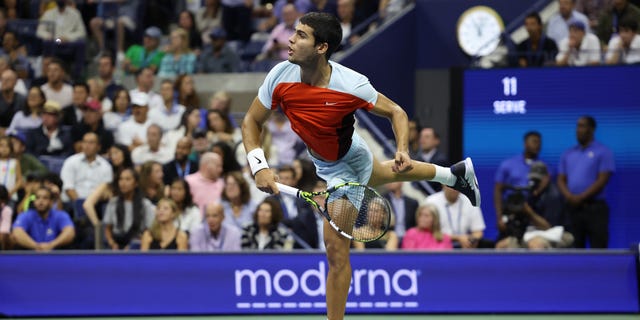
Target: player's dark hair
pixel 591 121
pixel 532 134
pixel 326 28
pixel 534 15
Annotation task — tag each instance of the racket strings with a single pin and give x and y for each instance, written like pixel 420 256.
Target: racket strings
pixel 360 211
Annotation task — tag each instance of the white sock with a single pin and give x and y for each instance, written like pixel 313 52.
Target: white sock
pixel 444 175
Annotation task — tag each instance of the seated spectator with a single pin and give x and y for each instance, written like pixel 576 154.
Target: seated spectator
pixel 147 55
pixel 265 232
pixel 97 92
pixel 236 19
pixel 184 87
pixel 168 117
pixel 49 139
pixel 186 21
pixel 580 48
pixel 391 8
pixel 277 16
pixel 20 86
pixel 328 6
pixel 403 207
pixel 178 58
pixel 593 9
pixel 10 101
pixel 28 162
pixel 29 115
pixel 346 15
pixel 55 89
pixel 133 132
pixel 151 180
pixel 92 122
pixel 118 16
pixel 426 234
pixel 83 172
pixel 538 50
pixel 429 141
pixel 189 216
pixel 6 217
pixel 145 79
pixel 221 100
pixel 624 48
pixel 120 112
pixel 68 41
pixel 11 172
pixel 72 114
pixel 128 214
pixel 277 46
pixel 461 221
pixel 163 234
pixel 43 228
pixel 189 122
pixel 284 140
pixel 609 22
pixel 181 166
pixel 200 144
pixel 213 234
pixel 206 184
pixel 236 200
pixel 389 241
pixel 229 161
pixel 153 149
pixel 16 54
pixel 218 57
pixel 220 129
pixel 520 219
pixel 208 18
pixel 306 177
pixel 558 25
pixel 106 67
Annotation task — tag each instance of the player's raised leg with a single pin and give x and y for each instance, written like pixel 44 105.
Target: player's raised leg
pixel 461 176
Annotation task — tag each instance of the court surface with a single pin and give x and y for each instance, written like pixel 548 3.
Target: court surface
pixel 382 317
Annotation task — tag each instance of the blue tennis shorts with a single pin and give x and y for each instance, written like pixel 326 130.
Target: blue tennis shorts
pixel 355 166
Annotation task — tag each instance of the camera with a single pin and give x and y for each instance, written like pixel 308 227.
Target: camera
pixel 514 211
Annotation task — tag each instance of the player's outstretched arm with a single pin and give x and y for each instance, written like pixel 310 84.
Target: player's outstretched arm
pixel 385 107
pixel 252 125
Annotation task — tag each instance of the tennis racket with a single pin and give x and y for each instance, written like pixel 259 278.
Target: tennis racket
pixel 356 211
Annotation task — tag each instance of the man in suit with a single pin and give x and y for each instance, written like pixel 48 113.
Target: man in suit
pixel 180 166
pixel 404 208
pixel 429 141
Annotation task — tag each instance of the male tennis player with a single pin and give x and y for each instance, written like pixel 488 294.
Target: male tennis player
pixel 320 97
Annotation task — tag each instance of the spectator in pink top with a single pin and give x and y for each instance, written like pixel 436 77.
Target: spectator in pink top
pixel 426 234
pixel 277 46
pixel 207 184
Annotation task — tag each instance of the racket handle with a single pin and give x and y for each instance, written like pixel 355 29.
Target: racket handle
pixel 288 189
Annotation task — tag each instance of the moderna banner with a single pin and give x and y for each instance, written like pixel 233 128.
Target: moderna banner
pixel 63 284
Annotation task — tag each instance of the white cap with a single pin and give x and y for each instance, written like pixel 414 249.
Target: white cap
pixel 140 99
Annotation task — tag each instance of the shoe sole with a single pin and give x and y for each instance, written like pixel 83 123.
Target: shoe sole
pixel 468 164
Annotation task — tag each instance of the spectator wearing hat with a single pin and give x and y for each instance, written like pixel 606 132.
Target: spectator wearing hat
pixel 56 89
pixel 580 48
pixel 133 132
pixel 49 139
pixel 146 55
pixel 92 122
pixel 10 101
pixel 558 25
pixel 72 114
pixel 28 163
pixel 218 57
pixel 624 48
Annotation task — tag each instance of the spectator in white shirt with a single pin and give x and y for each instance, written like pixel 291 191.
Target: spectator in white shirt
pixel 83 172
pixel 168 117
pixel 133 132
pixel 580 48
pixel 55 89
pixel 625 47
pixel 153 149
pixel 458 218
pixel 145 78
pixel 558 25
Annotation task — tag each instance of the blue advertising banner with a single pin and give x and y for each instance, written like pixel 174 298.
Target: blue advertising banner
pixel 285 283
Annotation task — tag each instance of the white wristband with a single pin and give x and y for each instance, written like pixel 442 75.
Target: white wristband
pixel 257 160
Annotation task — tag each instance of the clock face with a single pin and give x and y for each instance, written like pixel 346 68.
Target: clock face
pixel 479 30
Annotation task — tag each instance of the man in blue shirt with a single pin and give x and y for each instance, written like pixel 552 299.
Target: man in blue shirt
pixel 43 228
pixel 583 173
pixel 514 172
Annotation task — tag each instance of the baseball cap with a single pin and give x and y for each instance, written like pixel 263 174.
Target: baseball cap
pixel 18 135
pixel 217 33
pixel 538 170
pixel 577 24
pixel 93 105
pixel 140 99
pixel 51 107
pixel 153 32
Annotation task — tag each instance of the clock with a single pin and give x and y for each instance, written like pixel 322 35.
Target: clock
pixel 478 31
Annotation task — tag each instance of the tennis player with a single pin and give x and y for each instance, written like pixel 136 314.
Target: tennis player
pixel 320 97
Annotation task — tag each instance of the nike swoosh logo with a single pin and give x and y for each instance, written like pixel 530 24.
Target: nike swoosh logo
pixel 330 103
pixel 259 161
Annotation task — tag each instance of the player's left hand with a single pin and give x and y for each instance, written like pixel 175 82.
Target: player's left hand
pixel 402 162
